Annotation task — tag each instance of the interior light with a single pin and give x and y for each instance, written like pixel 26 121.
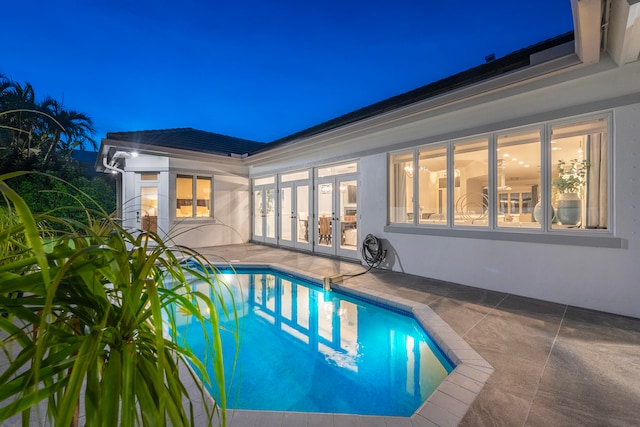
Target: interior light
pixel 134 154
pixel 505 155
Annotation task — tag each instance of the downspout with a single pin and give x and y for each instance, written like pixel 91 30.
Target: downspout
pixel 111 168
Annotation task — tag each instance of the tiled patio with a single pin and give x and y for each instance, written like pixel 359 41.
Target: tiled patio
pixel 555 365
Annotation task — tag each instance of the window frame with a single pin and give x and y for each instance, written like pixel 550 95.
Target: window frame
pixel 546 233
pixel 194 195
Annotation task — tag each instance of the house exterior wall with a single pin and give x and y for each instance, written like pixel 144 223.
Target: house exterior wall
pixel 592 277
pixel 230 200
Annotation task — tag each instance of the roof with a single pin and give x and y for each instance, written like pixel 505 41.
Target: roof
pixel 492 68
pixel 190 139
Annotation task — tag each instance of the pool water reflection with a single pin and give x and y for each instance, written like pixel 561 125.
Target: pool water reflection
pixel 303 349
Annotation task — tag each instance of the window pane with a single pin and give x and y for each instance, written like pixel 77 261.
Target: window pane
pixel 432 185
pixel 401 188
pixel 579 157
pixel 294 176
pixel 264 181
pixel 337 169
pixel 518 178
pixel 184 196
pixel 203 201
pixel 471 178
pixel 148 176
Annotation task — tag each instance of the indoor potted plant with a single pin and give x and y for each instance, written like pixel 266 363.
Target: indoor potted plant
pixel 572 176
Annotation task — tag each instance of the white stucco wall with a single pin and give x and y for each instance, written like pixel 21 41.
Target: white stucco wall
pixel 230 222
pixel 598 278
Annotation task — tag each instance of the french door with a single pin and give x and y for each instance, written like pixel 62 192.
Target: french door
pixel 146 189
pixel 264 213
pixel 294 215
pixel 336 222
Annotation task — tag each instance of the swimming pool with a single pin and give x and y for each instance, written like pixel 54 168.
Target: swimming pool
pixel 306 350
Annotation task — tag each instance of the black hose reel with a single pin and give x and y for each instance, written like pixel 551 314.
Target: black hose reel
pixel 372 251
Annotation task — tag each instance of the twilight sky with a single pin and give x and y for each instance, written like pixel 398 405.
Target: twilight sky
pixel 255 69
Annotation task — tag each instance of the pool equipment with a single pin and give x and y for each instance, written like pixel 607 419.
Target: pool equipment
pixel 372 251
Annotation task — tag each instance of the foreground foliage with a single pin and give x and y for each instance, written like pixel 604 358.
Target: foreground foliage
pixel 86 309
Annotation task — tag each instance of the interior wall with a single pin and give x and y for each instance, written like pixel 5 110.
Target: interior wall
pixel 596 278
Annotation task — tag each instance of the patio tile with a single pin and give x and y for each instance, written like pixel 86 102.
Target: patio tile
pixel 270 419
pixel 595 364
pixel 295 419
pixel 497 407
pixel 321 420
pixel 242 419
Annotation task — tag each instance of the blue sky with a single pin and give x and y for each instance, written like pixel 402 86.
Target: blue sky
pixel 253 69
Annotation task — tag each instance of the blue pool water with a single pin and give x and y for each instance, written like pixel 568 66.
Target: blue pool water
pixel 307 350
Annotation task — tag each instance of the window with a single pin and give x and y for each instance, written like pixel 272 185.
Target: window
pixel 455 188
pixel 432 185
pixel 518 178
pixel 401 188
pixel 579 175
pixel 193 196
pixel 471 171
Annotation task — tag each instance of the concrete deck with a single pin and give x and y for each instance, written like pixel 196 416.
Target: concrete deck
pixel 554 365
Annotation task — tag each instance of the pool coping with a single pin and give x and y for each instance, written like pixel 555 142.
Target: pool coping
pixel 446 406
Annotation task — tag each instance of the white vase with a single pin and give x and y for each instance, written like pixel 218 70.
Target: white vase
pixel 569 209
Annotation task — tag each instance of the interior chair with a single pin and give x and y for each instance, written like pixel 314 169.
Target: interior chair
pixel 324 234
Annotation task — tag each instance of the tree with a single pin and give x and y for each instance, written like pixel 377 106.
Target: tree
pixel 41 137
pixel 72 131
pixel 35 133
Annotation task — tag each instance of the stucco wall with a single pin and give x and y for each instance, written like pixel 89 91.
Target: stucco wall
pixel 230 222
pixel 231 217
pixel 598 278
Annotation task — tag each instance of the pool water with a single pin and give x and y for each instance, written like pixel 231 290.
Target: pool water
pixel 303 349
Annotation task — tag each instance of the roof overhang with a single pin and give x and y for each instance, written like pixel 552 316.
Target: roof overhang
pixel 587 25
pixel 624 31
pixel 113 154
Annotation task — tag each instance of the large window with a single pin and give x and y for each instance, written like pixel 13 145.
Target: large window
pixel 193 196
pixel 579 175
pixel 432 185
pixel 401 188
pixel 548 177
pixel 518 178
pixel 471 172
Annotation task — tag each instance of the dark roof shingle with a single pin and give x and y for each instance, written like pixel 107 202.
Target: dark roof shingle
pixel 190 139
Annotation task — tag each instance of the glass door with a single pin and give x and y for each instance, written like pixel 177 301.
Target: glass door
pixel 287 215
pixel 302 204
pixel 325 213
pixel 347 201
pixel 147 201
pixel 264 212
pixel 294 215
pixel 336 230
